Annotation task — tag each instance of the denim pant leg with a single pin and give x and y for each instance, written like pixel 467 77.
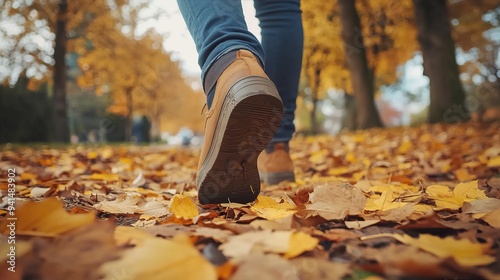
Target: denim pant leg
pixel 217 27
pixel 282 41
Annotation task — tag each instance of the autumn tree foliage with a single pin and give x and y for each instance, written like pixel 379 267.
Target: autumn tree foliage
pixel 42 38
pixel 388 34
pixel 139 74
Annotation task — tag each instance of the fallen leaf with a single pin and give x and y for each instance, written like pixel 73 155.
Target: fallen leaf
pixel 360 224
pixel 494 162
pixel 130 236
pixel 300 242
pixel 124 204
pixel 183 207
pixel 160 259
pixel 469 191
pixel 74 255
pixel 260 266
pixel 463 251
pixel 257 241
pixel 336 200
pixel 46 218
pixel 38 192
pixel 216 234
pixel 485 205
pixel 493 218
pixel 267 208
pixel 108 177
pixel 313 268
pixel 154 208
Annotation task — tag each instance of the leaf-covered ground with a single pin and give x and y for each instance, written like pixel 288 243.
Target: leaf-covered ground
pixel 404 203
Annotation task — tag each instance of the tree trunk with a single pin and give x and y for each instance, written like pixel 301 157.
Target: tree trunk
pixel 362 80
pixel 314 101
pixel 59 110
pixel 129 116
pixel 349 116
pixel 438 51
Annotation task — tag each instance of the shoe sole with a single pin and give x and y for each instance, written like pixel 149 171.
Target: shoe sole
pixel 250 115
pixel 277 177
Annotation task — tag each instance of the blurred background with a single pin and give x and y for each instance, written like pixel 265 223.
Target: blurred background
pixel 105 71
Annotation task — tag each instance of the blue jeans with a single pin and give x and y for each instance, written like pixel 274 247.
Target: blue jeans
pixel 218 27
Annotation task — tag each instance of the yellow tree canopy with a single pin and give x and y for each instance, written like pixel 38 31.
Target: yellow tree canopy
pixel 389 38
pixel 30 44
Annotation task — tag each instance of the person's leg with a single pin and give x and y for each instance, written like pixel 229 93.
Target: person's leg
pixel 218 29
pixel 245 108
pixel 282 41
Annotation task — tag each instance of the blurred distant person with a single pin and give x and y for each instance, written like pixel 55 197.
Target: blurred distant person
pixel 251 91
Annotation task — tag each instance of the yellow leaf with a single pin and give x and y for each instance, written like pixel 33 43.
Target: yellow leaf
pixel 183 207
pixel 493 218
pixel 300 242
pixel 351 157
pixel 464 175
pixel 109 177
pixel 463 251
pixel 267 208
pixel 468 191
pixel 318 157
pixel 494 162
pixel 338 171
pixel 159 259
pixel 92 155
pixel 27 176
pixel 130 236
pixel 405 147
pixel 22 247
pixel 47 218
pixel 382 202
pixel 422 208
pixel 443 197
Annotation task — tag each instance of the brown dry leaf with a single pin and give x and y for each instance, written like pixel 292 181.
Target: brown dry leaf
pixel 260 266
pixel 398 215
pixel 313 268
pixel 403 260
pixel 336 200
pixel 160 259
pixel 130 236
pixel 75 255
pixel 360 224
pixel 154 208
pixel 216 234
pixel 257 241
pixel 183 207
pixel 481 206
pixel 47 218
pixel 124 204
pixel 463 251
pixel 38 192
pixel 281 224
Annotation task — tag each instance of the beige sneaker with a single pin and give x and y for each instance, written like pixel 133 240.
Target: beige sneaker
pixel 276 166
pixel 245 114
